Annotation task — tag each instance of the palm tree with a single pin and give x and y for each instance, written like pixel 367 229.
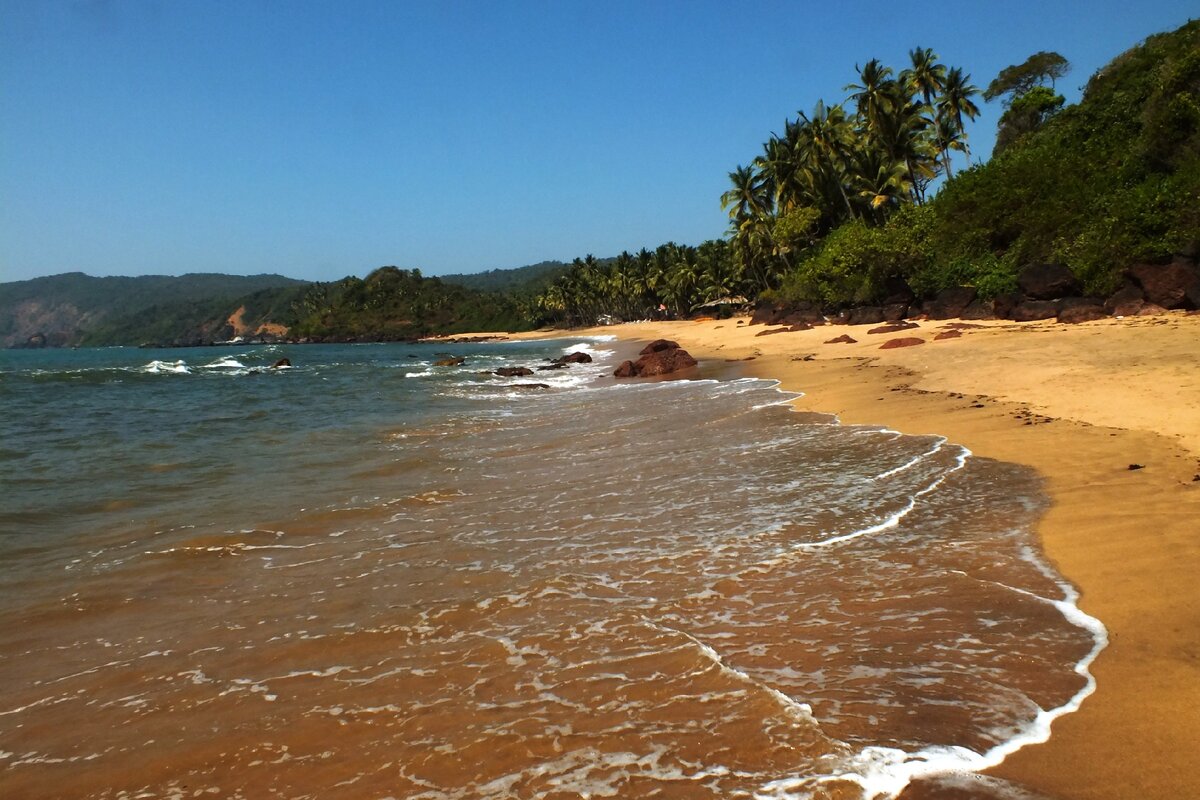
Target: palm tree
pixel 873 94
pixel 925 77
pixel 955 103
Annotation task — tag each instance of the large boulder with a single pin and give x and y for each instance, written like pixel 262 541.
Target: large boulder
pixel 514 372
pixel 1126 301
pixel 1003 304
pixel 450 361
pixel 1081 309
pixel 574 358
pixel 1047 281
pixel 978 309
pixel 1031 310
pixel 898 291
pixel 894 312
pixel 661 357
pixel 658 345
pixel 950 303
pixel 866 315
pixel 1167 285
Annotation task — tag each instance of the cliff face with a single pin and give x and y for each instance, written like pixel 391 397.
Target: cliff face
pixel 37 323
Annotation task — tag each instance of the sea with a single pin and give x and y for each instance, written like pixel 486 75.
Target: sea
pixel 368 576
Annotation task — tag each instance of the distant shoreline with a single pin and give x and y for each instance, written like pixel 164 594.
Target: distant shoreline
pixel 1106 412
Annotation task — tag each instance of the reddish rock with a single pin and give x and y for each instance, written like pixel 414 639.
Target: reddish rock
pixel 1031 310
pixel 894 327
pixel 667 358
pixel 950 334
pixel 843 339
pixel 658 345
pixel 574 358
pixel 1003 304
pixel 892 344
pixel 1081 309
pixel 769 331
pixel 1166 285
pixel 1082 313
pixel 1047 281
pixel 1150 310
pixel 1126 302
pixel 514 372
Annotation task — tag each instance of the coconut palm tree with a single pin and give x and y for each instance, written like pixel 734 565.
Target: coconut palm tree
pixel 955 103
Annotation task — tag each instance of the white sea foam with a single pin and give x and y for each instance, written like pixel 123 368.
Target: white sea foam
pixel 176 367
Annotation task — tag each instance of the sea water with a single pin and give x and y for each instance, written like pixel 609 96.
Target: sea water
pixel 365 575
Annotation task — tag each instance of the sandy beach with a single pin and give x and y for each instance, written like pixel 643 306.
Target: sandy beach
pixel 1109 413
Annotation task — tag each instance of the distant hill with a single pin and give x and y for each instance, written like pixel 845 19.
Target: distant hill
pixel 532 278
pixel 77 309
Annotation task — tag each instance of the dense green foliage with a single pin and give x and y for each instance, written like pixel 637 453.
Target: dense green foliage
pixel 392 304
pixel 528 279
pixel 73 308
pixel 1097 187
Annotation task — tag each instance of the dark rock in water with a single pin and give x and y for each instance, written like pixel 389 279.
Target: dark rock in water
pixel 555 365
pixel 530 386
pixel 895 327
pixel 1081 309
pixel 1167 285
pixel 452 361
pixel 845 338
pixel 950 303
pixel 1031 310
pixel 894 312
pixel 978 309
pixel 514 372
pixel 1047 281
pixel 283 362
pixel 661 357
pixel 1125 302
pixel 574 358
pixel 909 341
pixel 659 345
pixel 866 315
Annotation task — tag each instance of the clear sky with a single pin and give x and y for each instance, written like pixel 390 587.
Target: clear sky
pixel 320 139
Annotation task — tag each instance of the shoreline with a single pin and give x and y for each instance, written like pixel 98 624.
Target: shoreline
pixel 1082 405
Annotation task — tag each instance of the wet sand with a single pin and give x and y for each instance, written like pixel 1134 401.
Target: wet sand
pixel 1080 404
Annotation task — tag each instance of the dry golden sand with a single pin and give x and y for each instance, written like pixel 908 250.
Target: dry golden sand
pixel 1080 404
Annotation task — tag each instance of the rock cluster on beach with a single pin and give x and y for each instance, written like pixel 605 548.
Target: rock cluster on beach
pixel 660 357
pixel 1045 291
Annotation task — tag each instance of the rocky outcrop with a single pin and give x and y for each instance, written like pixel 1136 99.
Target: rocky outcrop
pixel 845 338
pixel 283 362
pixel 866 315
pixel 1032 310
pixel 574 358
pixel 660 357
pixel 514 372
pixel 1081 309
pixel 1047 281
pixel 1168 285
pixel 769 313
pixel 950 303
pixel 1126 301
pixel 450 361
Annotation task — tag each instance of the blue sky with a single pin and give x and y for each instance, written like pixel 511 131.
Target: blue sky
pixel 321 139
